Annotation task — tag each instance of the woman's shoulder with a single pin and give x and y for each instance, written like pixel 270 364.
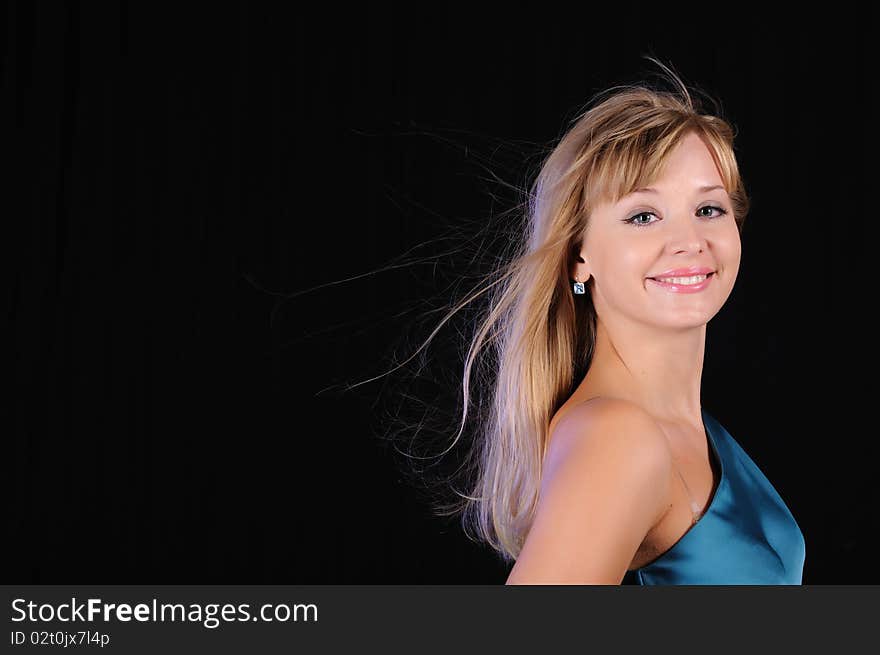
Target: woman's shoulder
pixel 609 464
pixel 597 410
pixel 608 422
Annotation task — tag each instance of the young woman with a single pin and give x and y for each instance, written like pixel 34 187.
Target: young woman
pixel 596 459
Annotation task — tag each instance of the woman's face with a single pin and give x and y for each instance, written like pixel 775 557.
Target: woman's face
pixel 633 242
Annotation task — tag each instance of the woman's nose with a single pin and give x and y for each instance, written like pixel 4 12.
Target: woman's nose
pixel 686 237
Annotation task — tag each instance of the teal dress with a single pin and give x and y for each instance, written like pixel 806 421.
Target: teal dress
pixel 746 536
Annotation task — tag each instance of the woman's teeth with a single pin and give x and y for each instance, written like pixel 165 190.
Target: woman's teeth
pixel 694 279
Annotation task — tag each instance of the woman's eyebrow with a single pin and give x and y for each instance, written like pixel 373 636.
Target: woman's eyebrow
pixel 701 189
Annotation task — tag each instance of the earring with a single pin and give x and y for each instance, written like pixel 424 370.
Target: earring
pixel 578 287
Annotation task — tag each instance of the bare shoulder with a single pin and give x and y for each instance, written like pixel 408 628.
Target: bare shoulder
pixel 604 485
pixel 606 427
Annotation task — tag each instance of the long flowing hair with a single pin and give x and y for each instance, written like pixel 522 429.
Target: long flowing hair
pixel 532 340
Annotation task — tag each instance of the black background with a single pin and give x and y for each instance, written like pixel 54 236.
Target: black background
pixel 178 169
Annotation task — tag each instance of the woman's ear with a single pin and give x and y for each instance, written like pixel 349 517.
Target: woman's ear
pixel 581 269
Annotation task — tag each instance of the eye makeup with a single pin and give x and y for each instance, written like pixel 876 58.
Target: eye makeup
pixel 632 219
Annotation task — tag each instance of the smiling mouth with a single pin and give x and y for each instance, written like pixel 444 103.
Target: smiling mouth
pixel 684 280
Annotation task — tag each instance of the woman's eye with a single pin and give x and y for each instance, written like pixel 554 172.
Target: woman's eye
pixel 721 212
pixel 639 221
pixel 634 220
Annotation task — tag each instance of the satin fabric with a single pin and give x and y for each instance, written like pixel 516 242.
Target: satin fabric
pixel 747 535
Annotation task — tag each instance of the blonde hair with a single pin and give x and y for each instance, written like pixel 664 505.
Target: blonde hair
pixel 536 337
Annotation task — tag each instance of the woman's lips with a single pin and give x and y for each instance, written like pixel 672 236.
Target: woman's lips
pixel 683 288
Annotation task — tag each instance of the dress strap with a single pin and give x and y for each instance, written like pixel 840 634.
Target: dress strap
pixel 695 506
pixel 696 510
